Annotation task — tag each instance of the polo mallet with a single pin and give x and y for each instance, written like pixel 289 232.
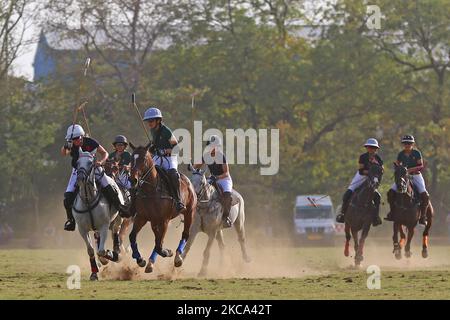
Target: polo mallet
pixel 81 106
pixel 133 101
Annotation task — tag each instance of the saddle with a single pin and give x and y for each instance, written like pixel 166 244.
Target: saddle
pixel 234 198
pixel 164 189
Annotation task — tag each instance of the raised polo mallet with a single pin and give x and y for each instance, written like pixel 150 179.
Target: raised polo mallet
pixel 133 101
pixel 80 106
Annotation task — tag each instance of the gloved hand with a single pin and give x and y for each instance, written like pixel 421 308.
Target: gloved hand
pixel 68 145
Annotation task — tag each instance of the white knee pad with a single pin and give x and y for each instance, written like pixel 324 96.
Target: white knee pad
pixel 71 186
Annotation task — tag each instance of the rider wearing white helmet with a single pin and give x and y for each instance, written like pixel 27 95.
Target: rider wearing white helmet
pixel 220 175
pixel 360 177
pixel 163 143
pixel 76 140
pixel 412 159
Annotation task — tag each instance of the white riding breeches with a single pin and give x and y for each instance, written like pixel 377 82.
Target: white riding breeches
pixel 124 181
pixel 167 162
pixel 100 177
pixel 418 181
pixel 226 184
pixel 357 181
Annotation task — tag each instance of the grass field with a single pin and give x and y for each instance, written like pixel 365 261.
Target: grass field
pixel 283 273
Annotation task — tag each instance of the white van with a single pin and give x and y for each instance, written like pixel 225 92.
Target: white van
pixel 314 219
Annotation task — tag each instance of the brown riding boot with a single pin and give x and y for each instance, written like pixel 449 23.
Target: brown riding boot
pixel 391 201
pixel 424 202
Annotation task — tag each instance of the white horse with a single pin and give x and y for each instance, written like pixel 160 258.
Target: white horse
pixel 92 212
pixel 209 219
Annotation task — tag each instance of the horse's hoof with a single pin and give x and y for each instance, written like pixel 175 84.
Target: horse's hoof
pixel 166 253
pixel 178 260
pixel 346 252
pixel 149 268
pixel 141 262
pixel 202 274
pixel 93 277
pixel 103 260
pixel 247 259
pixel 424 253
pixel 398 255
pixel 408 254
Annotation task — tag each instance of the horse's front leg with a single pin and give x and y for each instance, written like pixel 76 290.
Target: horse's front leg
pixel 91 252
pixel 426 231
pixel 159 229
pixel 397 249
pixel 408 242
pixel 188 219
pixel 102 252
pixel 362 241
pixel 115 230
pixel 139 222
pixel 348 237
pixel 356 243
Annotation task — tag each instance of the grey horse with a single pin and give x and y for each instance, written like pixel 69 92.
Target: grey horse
pixel 92 212
pixel 209 219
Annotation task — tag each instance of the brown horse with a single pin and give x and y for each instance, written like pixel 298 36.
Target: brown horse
pixel 361 212
pixel 406 213
pixel 121 224
pixel 153 205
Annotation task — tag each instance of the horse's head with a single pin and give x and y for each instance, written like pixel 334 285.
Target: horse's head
pixel 401 178
pixel 141 161
pixel 111 167
pixel 85 169
pixel 375 175
pixel 198 179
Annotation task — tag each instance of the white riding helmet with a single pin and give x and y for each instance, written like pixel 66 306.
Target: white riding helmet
pixel 214 140
pixel 74 131
pixel 152 113
pixel 372 143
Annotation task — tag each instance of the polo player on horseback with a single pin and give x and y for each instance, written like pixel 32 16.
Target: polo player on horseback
pixel 220 175
pixel 412 159
pixel 365 160
pixel 163 143
pixel 121 156
pixel 76 141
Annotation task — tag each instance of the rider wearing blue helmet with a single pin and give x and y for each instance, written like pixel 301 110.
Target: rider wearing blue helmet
pixel 365 160
pixel 163 143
